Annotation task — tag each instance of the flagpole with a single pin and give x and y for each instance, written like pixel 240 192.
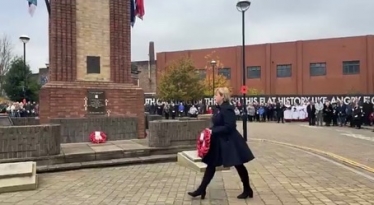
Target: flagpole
pixel 48 5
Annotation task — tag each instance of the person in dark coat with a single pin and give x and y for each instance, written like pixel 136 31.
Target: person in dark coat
pixel 279 108
pixel 311 110
pixel 357 116
pixel 228 148
pixel 327 112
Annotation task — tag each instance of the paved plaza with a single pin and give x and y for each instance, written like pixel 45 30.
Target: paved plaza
pixel 280 175
pixel 354 144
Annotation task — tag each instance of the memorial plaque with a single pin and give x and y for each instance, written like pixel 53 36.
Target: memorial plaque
pixel 5 120
pixel 96 102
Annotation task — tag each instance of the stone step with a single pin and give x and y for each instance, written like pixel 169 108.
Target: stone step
pixel 192 155
pixel 190 160
pixel 76 155
pixel 19 169
pixel 20 176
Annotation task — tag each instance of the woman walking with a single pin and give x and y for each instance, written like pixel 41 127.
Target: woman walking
pixel 228 148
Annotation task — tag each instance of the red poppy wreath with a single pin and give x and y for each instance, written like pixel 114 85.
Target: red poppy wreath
pixel 97 137
pixel 203 143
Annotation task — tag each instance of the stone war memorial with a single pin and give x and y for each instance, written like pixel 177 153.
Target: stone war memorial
pixel 90 89
pixel 90 70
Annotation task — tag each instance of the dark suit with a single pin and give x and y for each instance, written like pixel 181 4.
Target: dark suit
pixel 311 110
pixel 227 148
pixel 280 112
pixel 357 116
pixel 327 112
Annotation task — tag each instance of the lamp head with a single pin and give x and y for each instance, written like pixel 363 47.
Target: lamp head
pixel 213 63
pixel 243 5
pixel 24 38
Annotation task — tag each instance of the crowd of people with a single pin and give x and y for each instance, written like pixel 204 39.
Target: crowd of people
pixel 255 111
pixel 173 110
pixel 354 114
pixel 20 109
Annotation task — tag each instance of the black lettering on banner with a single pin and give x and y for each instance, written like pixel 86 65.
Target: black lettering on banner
pixel 290 99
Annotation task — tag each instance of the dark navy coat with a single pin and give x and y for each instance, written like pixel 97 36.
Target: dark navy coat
pixel 227 147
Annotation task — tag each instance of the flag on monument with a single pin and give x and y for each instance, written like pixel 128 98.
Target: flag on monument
pixel 32 6
pixel 140 11
pixel 132 12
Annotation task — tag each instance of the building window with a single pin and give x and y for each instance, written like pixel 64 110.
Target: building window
pixel 201 73
pixel 317 69
pixel 284 71
pixel 253 72
pixel 93 64
pixel 351 67
pixel 225 72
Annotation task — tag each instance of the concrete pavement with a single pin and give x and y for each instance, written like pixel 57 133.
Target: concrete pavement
pixel 353 144
pixel 279 175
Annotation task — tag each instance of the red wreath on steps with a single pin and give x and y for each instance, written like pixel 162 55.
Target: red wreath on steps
pixel 97 137
pixel 203 143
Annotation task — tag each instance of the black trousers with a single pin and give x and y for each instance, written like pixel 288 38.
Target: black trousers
pixel 279 118
pixel 357 122
pixel 312 120
pixel 350 120
pixel 366 120
pixel 211 170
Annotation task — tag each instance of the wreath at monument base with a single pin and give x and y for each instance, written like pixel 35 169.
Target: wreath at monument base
pixel 203 143
pixel 97 137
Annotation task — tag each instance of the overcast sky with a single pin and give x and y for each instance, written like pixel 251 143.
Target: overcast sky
pixel 192 24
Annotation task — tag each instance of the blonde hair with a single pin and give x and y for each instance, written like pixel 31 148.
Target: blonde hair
pixel 223 92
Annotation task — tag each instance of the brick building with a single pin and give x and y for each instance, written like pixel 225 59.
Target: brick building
pixel 145 76
pixel 311 67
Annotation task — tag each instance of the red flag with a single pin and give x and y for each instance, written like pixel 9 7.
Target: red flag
pixel 140 8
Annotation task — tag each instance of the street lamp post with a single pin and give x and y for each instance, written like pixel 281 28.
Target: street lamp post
pixel 25 39
pixel 243 6
pixel 213 63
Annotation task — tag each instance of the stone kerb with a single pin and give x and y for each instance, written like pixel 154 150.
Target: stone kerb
pixel 165 133
pixel 29 141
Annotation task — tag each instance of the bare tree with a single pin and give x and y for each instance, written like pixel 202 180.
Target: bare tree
pixel 6 55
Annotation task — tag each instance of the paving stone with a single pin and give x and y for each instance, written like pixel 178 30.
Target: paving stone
pixel 338 140
pixel 279 175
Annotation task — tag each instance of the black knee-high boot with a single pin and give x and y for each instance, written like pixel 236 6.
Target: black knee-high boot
pixel 244 177
pixel 208 176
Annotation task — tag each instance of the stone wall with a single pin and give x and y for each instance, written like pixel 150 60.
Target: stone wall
pixel 66 100
pixel 29 141
pixel 149 118
pixel 164 133
pixel 79 129
pixel 20 121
